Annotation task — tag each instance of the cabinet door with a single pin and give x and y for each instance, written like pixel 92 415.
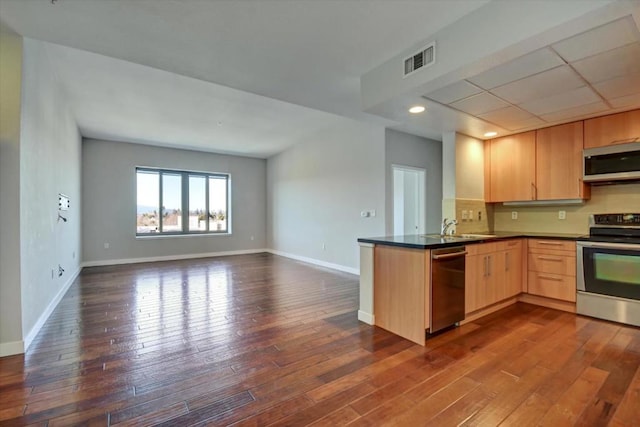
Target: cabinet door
pixel 475 282
pixel 512 168
pixel 559 163
pixel 612 129
pixel 513 271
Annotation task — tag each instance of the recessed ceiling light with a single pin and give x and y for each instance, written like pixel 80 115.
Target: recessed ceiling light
pixel 490 134
pixel 416 109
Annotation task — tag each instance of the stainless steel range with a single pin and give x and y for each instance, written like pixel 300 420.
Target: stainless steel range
pixel 608 264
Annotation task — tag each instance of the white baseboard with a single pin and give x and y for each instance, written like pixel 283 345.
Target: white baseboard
pixel 11 348
pixel 170 257
pixel 28 339
pixel 316 262
pixel 365 317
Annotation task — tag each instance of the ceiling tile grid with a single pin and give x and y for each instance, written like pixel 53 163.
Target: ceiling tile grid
pixel 587 74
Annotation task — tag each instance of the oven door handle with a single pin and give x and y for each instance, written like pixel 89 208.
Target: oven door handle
pixel 604 245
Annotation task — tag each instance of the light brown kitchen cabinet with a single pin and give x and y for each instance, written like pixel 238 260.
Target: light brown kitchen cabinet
pixel 493 273
pixel 552 269
pixel 512 167
pixel 559 163
pixel 613 129
pixel 512 253
pixel 401 296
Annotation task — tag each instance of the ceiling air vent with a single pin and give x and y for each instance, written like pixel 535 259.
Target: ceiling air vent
pixel 421 59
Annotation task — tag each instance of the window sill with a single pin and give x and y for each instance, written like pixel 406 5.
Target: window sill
pixel 179 236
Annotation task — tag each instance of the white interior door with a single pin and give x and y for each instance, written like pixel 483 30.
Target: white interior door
pixel 408 200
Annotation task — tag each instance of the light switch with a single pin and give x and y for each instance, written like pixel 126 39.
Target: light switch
pixel 465 215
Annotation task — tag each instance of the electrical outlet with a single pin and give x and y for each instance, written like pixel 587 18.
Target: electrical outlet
pixel 470 215
pixel 106 245
pixel 465 215
pixel 251 237
pixel 479 215
pixel 364 214
pixel 562 214
pixel 372 213
pixel 514 215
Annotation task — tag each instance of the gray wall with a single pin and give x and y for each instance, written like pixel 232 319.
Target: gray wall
pixel 109 201
pixel 410 150
pixel 49 164
pixel 10 84
pixel 317 189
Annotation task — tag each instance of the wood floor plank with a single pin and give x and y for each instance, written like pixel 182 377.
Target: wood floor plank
pixel 264 340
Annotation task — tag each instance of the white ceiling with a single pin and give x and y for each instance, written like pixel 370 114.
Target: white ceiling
pixel 308 53
pixel 254 77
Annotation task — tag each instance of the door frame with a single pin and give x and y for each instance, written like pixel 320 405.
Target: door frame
pixel 422 195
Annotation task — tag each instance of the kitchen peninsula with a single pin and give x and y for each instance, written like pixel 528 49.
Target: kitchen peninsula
pixel 501 268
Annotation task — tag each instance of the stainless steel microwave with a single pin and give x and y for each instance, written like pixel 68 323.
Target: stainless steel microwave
pixel 612 163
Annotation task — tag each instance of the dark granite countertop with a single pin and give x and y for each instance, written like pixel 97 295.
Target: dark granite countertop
pixel 430 241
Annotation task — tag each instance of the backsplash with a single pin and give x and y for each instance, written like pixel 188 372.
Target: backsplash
pixel 478 219
pixel 604 199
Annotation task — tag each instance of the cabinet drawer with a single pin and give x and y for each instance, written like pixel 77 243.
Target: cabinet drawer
pixel 554 264
pixel 505 245
pixel 562 245
pixel 480 248
pixel 552 286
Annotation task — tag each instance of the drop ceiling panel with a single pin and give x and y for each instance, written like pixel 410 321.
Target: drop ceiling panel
pixel 619 87
pixel 453 92
pixel 598 40
pixel 511 118
pixel 626 101
pixel 608 65
pixel 541 85
pixel 561 101
pixel 519 68
pixel 575 112
pixel 478 104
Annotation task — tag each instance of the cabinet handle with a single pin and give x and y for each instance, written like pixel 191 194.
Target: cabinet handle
pixel 489 263
pixel 543 242
pixel 507 261
pixel 533 191
pixel 484 272
pixel 622 141
pixel 549 258
pixel 543 276
pixel 579 188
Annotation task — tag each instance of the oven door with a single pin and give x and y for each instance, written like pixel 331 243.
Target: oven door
pixel 609 269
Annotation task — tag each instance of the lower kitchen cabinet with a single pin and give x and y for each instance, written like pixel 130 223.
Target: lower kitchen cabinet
pixel 401 291
pixel 512 252
pixel 493 273
pixel 552 269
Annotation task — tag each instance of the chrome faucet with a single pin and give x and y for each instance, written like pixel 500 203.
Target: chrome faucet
pixel 446 224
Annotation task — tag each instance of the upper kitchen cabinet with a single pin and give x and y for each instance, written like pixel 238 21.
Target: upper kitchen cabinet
pixel 613 129
pixel 512 168
pixel 559 163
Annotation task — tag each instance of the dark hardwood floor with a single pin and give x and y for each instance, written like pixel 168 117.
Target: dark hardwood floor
pixel 264 340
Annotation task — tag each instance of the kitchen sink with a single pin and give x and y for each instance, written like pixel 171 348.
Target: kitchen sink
pixel 475 236
pixel 458 236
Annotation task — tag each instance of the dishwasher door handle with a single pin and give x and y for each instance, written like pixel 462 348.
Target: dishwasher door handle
pixel 450 255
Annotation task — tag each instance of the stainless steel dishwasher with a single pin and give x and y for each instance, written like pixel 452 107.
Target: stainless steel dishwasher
pixel 447 287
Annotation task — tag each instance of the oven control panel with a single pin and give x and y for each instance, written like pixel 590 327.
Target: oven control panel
pixel 616 219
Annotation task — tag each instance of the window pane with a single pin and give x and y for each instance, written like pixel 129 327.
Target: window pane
pixel 148 201
pixel 197 203
pixel 171 202
pixel 217 203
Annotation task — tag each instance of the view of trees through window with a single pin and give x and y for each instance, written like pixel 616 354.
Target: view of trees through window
pixel 203 196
